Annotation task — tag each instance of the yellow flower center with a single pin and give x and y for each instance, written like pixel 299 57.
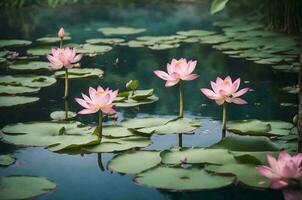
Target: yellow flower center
pixel 225 82
pixel 100 92
pixel 177 62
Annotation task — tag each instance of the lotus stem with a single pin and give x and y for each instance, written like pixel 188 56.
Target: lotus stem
pixel 181 100
pixel 224 119
pixel 100 124
pixel 66 84
pixel 180 139
pixel 66 109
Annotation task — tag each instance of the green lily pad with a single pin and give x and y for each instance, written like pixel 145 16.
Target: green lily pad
pixel 61 115
pixel 14 43
pixel 130 162
pixel 214 39
pixel 245 174
pixel 24 187
pixel 125 103
pixel 291 89
pixel 27 80
pixel 236 45
pixel 50 40
pixel 247 143
pixel 80 73
pixel 39 51
pixel 93 48
pixel 9 89
pixel 108 145
pixel 199 33
pixel 54 135
pixel 35 65
pixel 110 41
pixel 179 179
pixel 196 156
pixel 116 131
pixel 256 158
pixel 8 101
pixel 6 160
pixel 120 30
pixel 137 123
pixel 287 68
pixel 259 128
pixel 163 46
pixel 181 125
pixel 218 5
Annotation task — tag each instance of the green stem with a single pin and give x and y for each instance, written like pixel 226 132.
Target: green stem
pixel 66 84
pixel 66 109
pixel 181 100
pixel 224 117
pixel 100 124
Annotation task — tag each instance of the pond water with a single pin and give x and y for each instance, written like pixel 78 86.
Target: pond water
pixel 83 177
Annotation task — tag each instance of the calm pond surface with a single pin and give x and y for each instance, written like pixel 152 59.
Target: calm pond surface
pixel 83 177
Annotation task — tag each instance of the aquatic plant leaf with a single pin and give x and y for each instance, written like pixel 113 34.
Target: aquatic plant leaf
pixel 246 143
pixel 120 30
pixel 181 125
pixel 35 65
pixel 236 45
pixel 196 156
pixel 218 5
pixel 180 179
pixel 93 48
pixel 259 128
pixel 54 135
pixel 50 40
pixel 136 123
pixel 197 32
pixel 108 145
pixel 39 51
pixel 61 115
pixel 8 101
pixel 24 187
pixel 9 89
pixel 287 68
pixel 256 158
pixel 129 102
pixel 214 39
pixel 163 46
pixel 131 162
pixel 291 89
pixel 116 131
pixel 246 174
pixel 110 41
pixel 14 43
pixel 80 73
pixel 7 159
pixel 28 80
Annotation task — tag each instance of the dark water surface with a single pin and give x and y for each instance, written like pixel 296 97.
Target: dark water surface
pixel 81 177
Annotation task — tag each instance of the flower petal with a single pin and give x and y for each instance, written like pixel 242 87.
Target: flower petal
pixel 241 92
pixel 163 75
pixel 238 101
pixel 190 77
pixel 171 83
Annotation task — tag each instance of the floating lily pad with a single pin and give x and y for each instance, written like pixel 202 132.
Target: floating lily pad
pixel 214 39
pixel 108 145
pixel 218 5
pixel 79 73
pixel 287 68
pixel 247 143
pixel 14 43
pixel 24 187
pixel 6 160
pixel 179 179
pixel 35 65
pixel 245 174
pixel 139 97
pixel 291 89
pixel 256 158
pixel 8 101
pixel 120 30
pixel 260 128
pixel 137 123
pixel 39 51
pixel 181 125
pixel 131 162
pixel 28 80
pixel 93 48
pixel 163 46
pixel 196 33
pixel 51 40
pixel 236 45
pixel 54 135
pixel 116 131
pixel 110 41
pixel 61 115
pixel 196 155
pixel 9 89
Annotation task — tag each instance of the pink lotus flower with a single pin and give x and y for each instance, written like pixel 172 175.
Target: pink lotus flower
pixel 63 58
pixel 292 194
pixel 61 33
pixel 225 91
pixel 281 171
pixel 178 70
pixel 98 100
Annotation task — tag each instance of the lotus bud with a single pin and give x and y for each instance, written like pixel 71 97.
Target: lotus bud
pixel 61 33
pixel 183 159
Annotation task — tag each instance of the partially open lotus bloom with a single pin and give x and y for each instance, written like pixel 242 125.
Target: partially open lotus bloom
pixel 225 91
pixel 63 58
pixel 61 33
pixel 178 70
pixel 98 100
pixel 283 170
